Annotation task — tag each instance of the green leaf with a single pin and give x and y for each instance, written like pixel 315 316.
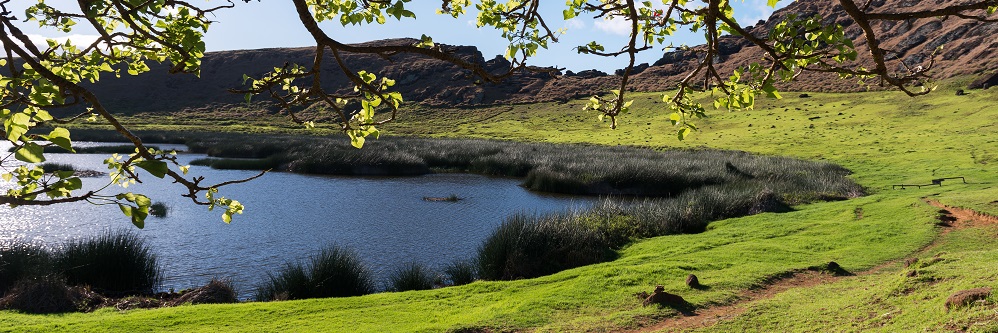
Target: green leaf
pixel 682 133
pixel 155 168
pixel 60 137
pixel 73 184
pixel 771 91
pixel 16 126
pixel 675 118
pixel 138 216
pixel 31 153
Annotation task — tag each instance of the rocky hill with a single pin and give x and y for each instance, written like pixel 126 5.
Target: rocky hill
pixel 969 49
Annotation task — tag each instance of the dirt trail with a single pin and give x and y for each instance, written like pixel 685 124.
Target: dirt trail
pixel 950 218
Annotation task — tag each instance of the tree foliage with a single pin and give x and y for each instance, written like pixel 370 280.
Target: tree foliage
pixel 38 80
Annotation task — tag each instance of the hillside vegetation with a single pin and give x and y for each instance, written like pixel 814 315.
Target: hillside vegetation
pixel 884 138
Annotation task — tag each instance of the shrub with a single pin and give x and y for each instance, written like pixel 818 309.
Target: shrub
pixel 20 261
pixel 333 272
pixel 461 273
pixel 411 276
pixel 158 209
pixel 114 264
pixel 50 167
pixel 526 246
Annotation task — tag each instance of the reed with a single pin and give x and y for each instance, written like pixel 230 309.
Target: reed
pixel 333 272
pixel 115 264
pixel 461 273
pixel 50 167
pixel 411 276
pixel 19 261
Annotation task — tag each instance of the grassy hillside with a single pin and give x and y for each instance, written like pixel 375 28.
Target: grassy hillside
pixel 885 138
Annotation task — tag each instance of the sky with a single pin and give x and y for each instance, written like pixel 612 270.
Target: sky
pixel 274 23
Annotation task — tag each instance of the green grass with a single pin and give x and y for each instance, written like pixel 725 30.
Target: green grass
pixel 884 138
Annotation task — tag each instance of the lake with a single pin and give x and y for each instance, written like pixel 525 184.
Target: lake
pixel 289 217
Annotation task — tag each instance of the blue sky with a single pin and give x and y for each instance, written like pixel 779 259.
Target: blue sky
pixel 274 23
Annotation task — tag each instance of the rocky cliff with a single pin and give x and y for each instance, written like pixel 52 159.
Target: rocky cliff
pixel 968 49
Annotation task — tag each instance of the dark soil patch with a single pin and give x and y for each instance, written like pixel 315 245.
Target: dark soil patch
pixel 966 297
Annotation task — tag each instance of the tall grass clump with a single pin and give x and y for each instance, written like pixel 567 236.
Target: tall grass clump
pixel 239 163
pixel 333 272
pixel 50 167
pixel 526 246
pixel 411 276
pixel 158 209
pixel 115 264
pixel 110 149
pixel 562 168
pixel 342 159
pixel 461 273
pixel 19 261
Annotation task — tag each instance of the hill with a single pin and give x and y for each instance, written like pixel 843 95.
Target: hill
pixel 968 50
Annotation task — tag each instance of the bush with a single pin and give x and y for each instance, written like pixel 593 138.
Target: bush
pixel 461 273
pixel 411 276
pixel 50 167
pixel 114 264
pixel 527 246
pixel 20 261
pixel 333 272
pixel 158 209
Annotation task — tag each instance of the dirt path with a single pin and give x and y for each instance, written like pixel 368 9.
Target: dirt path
pixel 950 218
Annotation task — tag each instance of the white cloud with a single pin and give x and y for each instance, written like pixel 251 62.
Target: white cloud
pixel 618 26
pixel 753 11
pixel 575 23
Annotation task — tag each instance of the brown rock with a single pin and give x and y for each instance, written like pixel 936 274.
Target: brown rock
pixel 965 297
pixel 910 261
pixel 663 298
pixel 692 281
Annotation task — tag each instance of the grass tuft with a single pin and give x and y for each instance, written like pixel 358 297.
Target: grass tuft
pixel 115 264
pixel 50 167
pixel 411 276
pixel 158 209
pixel 461 273
pixel 20 261
pixel 333 272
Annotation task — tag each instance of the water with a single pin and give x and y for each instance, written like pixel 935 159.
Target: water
pixel 289 217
